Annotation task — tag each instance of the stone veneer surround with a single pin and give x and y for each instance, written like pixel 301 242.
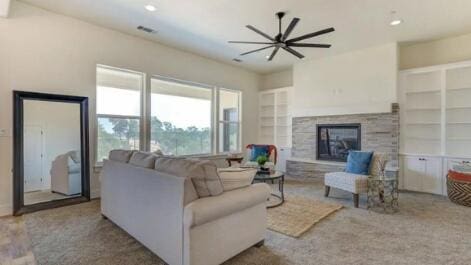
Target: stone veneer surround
pixel 379 132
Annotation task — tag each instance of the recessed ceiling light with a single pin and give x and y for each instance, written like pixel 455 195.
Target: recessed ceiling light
pixel 150 8
pixel 395 22
pixel 394 19
pixel 268 56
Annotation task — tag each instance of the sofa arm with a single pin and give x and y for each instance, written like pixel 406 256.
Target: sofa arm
pixel 211 208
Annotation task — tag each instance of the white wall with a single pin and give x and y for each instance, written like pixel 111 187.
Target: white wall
pixel 362 81
pixel 277 80
pixel 448 50
pixel 47 52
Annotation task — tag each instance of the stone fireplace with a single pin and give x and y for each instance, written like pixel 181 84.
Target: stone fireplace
pixel 377 132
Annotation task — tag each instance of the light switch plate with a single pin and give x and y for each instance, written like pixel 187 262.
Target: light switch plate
pixel 5 132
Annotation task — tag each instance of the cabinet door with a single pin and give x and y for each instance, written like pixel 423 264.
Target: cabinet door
pixel 283 155
pixel 414 168
pixel 432 181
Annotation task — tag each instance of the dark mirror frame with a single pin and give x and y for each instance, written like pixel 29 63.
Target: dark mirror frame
pixel 18 175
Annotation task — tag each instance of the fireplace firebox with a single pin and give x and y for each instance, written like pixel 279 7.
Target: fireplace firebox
pixel 334 141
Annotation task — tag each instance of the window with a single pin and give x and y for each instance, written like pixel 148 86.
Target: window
pixel 229 121
pixel 180 118
pixel 118 110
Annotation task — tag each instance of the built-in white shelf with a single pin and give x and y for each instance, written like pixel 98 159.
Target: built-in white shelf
pixel 459 107
pixel 275 118
pixel 423 109
pixel 459 123
pixel 423 92
pixel 458 89
pixel 423 138
pixel 461 139
pixel 422 123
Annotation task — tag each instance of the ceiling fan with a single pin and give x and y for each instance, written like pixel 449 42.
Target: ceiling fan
pixel 282 41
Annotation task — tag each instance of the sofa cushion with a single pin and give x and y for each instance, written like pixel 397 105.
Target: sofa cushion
pixel 236 178
pixel 142 159
pixel 206 179
pixel 208 209
pixel 203 173
pixel 354 183
pixel 122 156
pixel 358 162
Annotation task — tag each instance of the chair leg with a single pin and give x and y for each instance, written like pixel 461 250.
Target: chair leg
pixel 356 199
pixel 327 190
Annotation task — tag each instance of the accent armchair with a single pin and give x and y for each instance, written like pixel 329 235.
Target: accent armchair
pixel 272 156
pixel 66 177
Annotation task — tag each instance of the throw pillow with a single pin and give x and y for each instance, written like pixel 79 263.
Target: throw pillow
pixel 122 156
pixel 459 176
pixel 203 173
pixel 142 159
pixel 258 150
pixel 358 162
pixel 236 178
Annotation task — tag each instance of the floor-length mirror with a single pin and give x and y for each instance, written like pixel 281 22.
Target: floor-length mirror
pixel 51 151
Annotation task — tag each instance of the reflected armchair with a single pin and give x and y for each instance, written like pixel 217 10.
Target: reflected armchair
pixel 66 177
pixel 251 155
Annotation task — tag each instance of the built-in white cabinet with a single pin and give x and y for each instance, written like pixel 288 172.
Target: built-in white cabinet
pixel 421 173
pixel 435 124
pixel 275 117
pixel 284 153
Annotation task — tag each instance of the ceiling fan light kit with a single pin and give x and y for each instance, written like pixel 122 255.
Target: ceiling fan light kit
pixel 281 39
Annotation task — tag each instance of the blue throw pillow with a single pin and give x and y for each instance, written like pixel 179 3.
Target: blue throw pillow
pixel 358 162
pixel 258 150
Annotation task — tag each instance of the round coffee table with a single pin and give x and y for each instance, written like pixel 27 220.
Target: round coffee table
pixel 276 199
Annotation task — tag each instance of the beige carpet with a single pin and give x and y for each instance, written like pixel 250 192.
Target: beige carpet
pixel 78 235
pixel 298 214
pixel 428 229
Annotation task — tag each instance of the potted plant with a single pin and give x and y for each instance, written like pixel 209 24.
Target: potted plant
pixel 261 160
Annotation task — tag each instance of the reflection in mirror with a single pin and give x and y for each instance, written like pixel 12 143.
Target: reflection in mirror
pixel 51 151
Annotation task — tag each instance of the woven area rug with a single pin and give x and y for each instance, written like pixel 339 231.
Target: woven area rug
pixel 298 214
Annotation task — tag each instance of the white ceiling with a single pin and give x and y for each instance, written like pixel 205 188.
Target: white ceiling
pixel 204 26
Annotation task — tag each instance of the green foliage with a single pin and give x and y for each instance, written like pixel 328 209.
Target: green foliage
pixel 262 159
pixel 164 136
pixel 179 141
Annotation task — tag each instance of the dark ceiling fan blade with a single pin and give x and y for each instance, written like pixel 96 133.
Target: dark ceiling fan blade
pixel 312 45
pixel 250 42
pixel 310 35
pixel 257 50
pixel 290 28
pixel 293 52
pixel 273 53
pixel 261 33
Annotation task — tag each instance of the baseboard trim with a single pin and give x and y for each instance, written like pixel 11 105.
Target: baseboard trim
pixel 6 210
pixel 94 194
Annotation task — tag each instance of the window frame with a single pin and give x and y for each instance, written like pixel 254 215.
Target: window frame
pixel 140 117
pixel 188 83
pixel 221 122
pixel 146 116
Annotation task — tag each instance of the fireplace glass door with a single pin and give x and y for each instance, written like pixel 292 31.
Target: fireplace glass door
pixel 335 141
